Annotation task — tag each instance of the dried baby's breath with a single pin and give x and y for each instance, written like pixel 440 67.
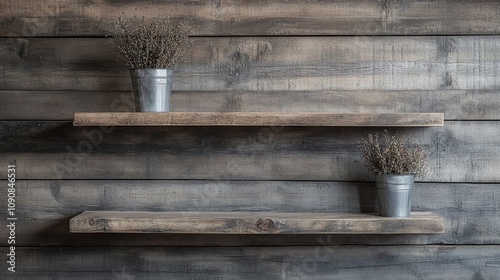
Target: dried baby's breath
pixel 158 44
pixel 393 155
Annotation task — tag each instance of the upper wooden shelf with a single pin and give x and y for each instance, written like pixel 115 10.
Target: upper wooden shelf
pixel 252 223
pixel 258 119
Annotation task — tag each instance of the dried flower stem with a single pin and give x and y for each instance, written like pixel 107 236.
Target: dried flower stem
pixel 159 44
pixel 393 156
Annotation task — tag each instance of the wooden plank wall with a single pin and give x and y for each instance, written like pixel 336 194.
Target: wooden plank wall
pixel 326 56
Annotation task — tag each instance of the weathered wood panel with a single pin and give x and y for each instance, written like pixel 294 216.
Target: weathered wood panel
pixel 387 74
pixel 258 17
pixel 193 222
pixel 456 104
pixel 461 152
pixel 263 64
pixel 258 119
pixel 45 207
pixel 313 262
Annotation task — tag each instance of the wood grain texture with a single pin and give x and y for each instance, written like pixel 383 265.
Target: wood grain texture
pixel 470 211
pixel 311 262
pixel 264 64
pixel 57 150
pixel 258 17
pixel 319 56
pixel 258 119
pixel 456 104
pixel 253 223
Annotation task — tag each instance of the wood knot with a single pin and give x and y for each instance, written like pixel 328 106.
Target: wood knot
pixel 265 224
pixel 92 222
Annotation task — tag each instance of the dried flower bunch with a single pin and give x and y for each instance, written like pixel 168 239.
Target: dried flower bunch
pixel 159 44
pixel 393 155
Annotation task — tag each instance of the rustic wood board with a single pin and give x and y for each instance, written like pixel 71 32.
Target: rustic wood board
pixel 257 17
pixel 258 119
pixel 300 262
pixel 253 223
pixel 456 104
pixel 264 64
pixel 470 211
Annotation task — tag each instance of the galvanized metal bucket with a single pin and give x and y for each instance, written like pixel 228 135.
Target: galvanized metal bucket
pixel 394 194
pixel 152 89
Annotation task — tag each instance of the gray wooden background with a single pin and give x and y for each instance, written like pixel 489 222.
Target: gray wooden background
pixel 332 56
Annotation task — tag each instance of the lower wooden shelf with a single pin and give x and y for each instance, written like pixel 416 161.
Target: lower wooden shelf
pixel 253 223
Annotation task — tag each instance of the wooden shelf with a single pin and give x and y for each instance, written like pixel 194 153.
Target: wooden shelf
pixel 258 119
pixel 252 223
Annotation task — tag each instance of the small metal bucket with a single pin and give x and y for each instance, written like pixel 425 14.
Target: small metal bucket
pixel 394 194
pixel 152 89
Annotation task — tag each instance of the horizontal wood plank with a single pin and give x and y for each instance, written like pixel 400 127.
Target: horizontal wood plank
pixel 253 223
pixel 258 17
pixel 311 262
pixel 57 150
pixel 456 104
pixel 263 64
pixel 258 119
pixel 470 211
